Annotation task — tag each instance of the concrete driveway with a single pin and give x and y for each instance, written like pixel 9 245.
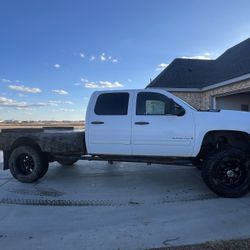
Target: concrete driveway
pixel 93 205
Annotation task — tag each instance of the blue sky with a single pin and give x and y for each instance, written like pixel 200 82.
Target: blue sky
pixel 55 53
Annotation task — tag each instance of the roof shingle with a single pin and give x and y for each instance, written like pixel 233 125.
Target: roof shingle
pixel 194 73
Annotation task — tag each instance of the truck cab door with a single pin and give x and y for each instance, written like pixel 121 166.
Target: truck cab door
pixel 160 126
pixel 109 123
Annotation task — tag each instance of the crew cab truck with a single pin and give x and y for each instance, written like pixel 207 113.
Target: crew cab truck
pixel 149 125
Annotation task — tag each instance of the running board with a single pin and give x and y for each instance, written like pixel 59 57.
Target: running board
pixel 149 160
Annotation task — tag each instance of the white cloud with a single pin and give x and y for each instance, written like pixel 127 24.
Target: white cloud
pixel 60 91
pixel 103 84
pixel 22 95
pixel 63 110
pixel 50 103
pixel 162 66
pixel 24 108
pixel 103 57
pixel 22 88
pixel 57 66
pixel 82 55
pixel 41 104
pixel 91 85
pixel 205 56
pixel 56 103
pixel 66 110
pixel 67 102
pixel 5 102
pixel 5 80
pixel 107 58
pixel 84 80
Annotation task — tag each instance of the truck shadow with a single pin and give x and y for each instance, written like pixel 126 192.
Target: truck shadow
pixel 121 183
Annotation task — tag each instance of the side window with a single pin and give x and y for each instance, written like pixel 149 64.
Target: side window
pixel 112 104
pixel 150 103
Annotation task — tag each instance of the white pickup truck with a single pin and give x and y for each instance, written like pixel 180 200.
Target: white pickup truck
pixel 149 125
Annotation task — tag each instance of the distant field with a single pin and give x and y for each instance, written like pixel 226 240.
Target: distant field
pixel 77 125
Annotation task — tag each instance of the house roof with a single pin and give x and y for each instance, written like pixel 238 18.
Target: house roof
pixel 194 73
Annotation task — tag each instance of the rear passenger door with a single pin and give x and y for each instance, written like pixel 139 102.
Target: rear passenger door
pixel 109 125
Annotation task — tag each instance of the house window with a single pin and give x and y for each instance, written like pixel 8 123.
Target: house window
pixel 244 107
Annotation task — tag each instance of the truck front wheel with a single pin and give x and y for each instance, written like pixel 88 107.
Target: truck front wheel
pixel 227 173
pixel 27 164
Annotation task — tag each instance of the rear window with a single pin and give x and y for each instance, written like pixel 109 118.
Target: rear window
pixel 112 104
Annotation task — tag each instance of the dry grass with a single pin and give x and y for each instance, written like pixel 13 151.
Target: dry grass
pixel 242 244
pixel 77 125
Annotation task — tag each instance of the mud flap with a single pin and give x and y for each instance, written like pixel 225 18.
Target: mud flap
pixel 6 156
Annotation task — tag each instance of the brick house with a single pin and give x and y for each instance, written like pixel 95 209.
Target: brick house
pixel 223 83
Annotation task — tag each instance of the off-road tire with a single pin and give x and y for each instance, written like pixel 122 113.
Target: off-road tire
pixel 217 167
pixel 29 172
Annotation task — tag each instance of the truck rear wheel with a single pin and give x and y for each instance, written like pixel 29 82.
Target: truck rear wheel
pixel 27 164
pixel 227 173
pixel 67 161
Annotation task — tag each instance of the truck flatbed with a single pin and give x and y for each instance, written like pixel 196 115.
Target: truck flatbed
pixel 50 140
pixel 53 142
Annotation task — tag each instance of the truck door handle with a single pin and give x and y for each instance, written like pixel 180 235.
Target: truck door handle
pixel 141 123
pixel 97 122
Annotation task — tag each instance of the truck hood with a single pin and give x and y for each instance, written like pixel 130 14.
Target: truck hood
pixel 223 120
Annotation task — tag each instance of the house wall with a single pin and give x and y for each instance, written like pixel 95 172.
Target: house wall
pixel 204 100
pixel 193 98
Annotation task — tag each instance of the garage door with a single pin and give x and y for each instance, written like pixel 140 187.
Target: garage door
pixel 239 101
